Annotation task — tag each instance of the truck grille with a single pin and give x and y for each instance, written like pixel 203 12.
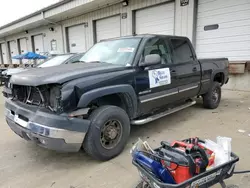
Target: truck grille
pixel 38 96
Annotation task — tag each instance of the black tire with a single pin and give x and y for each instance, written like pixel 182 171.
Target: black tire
pixel 211 99
pixel 93 143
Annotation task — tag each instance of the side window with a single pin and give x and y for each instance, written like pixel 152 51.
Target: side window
pixel 181 51
pixel 157 46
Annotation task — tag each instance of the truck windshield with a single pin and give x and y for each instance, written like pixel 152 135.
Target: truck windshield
pixel 58 60
pixel 119 52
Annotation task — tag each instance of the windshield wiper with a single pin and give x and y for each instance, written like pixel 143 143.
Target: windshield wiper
pixel 93 62
pixel 96 62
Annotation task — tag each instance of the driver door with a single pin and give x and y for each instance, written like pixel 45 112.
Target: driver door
pixel 156 85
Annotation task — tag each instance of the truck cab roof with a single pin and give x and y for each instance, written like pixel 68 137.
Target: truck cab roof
pixel 145 36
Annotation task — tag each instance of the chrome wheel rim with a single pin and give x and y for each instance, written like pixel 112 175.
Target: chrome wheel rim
pixel 111 133
pixel 215 95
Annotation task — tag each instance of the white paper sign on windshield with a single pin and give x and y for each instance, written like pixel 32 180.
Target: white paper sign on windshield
pixel 129 50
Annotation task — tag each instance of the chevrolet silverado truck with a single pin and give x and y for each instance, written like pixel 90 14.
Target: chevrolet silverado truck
pixel 117 83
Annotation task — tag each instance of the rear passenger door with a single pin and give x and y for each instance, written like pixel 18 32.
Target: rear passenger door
pixel 187 68
pixel 153 90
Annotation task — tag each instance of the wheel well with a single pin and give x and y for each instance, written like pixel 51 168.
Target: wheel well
pixel 219 77
pixel 119 99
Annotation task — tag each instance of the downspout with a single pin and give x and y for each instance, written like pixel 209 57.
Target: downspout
pixel 54 23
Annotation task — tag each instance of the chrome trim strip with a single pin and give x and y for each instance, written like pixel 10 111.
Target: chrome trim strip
pixel 68 136
pixel 206 80
pixel 189 88
pixel 160 115
pixel 158 97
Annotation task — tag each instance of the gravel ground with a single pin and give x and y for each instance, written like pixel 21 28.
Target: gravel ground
pixel 25 165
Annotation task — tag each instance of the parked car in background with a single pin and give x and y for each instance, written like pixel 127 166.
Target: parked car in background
pixel 53 61
pixel 122 81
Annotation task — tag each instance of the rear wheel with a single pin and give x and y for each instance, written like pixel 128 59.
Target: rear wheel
pixel 211 99
pixel 108 132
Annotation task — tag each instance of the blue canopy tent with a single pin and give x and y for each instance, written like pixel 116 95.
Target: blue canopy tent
pixel 29 55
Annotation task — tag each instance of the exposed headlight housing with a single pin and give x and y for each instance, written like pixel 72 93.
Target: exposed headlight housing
pixel 4 72
pixel 55 98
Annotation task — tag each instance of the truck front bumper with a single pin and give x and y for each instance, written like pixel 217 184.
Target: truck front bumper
pixel 49 130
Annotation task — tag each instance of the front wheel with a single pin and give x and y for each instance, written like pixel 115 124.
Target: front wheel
pixel 108 132
pixel 211 99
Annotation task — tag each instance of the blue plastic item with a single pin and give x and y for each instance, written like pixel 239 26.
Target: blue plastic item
pixel 155 167
pixel 29 55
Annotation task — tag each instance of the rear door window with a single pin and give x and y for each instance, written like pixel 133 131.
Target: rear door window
pixel 181 50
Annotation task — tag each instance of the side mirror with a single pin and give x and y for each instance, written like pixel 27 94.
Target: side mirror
pixel 151 59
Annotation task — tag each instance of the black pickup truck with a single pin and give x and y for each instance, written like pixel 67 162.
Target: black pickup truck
pixel 119 82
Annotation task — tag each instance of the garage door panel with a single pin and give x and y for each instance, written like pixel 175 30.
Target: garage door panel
pixel 227 10
pixel 108 28
pixel 13 51
pixel 155 15
pixel 242 55
pixel 4 53
pixel 107 34
pixel 206 5
pixel 38 44
pixel 103 23
pixel 169 8
pixel 156 20
pixel 217 47
pixel 155 24
pixel 76 39
pixel 236 31
pixel 233 24
pixel 156 30
pixel 205 1
pixel 227 18
pixel 23 46
pixel 225 40
pixel 232 37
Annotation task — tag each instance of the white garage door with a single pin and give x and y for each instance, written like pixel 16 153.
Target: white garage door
pixel 38 44
pixel 76 39
pixel 4 53
pixel 155 20
pixel 108 28
pixel 23 48
pixel 223 29
pixel 13 51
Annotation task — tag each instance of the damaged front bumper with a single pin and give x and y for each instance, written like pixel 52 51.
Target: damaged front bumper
pixel 49 130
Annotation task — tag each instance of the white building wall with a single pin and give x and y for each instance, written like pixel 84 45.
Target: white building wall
pixel 48 37
pixel 183 19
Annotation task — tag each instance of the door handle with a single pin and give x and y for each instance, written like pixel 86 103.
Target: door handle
pixel 173 71
pixel 194 69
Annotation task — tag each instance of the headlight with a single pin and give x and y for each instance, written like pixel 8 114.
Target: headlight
pixel 55 98
pixel 4 72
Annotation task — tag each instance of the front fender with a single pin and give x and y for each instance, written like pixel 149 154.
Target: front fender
pixel 89 96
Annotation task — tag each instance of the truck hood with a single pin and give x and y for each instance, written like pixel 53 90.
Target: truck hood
pixel 61 74
pixel 12 71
